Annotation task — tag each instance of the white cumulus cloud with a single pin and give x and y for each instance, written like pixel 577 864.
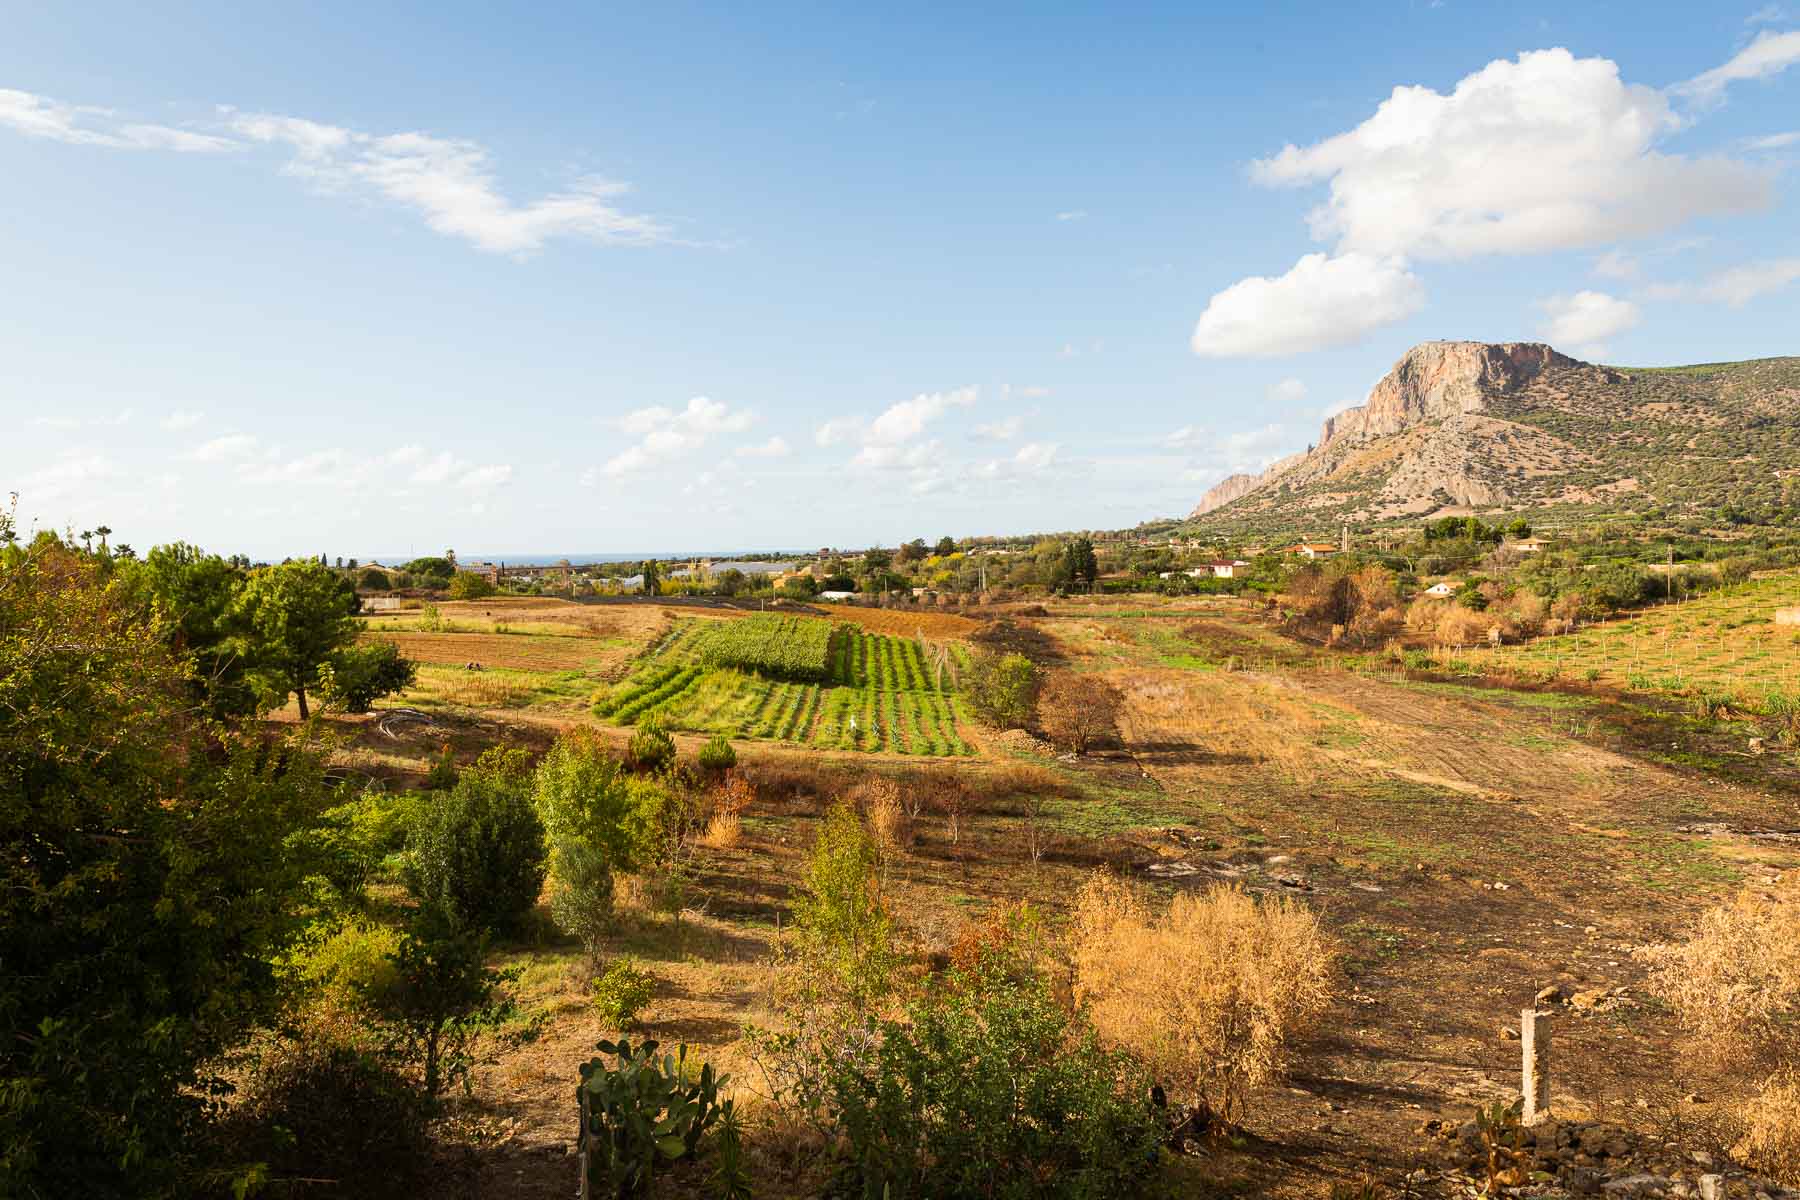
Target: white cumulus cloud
pixel 908 419
pixel 1543 153
pixel 669 433
pixel 1322 301
pixel 1584 320
pixel 1288 391
pixel 775 447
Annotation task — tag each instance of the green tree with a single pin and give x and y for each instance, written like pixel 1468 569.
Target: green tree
pixel 841 920
pixel 946 546
pixel 148 882
pixel 442 998
pixel 1000 688
pixel 652 572
pixel 478 855
pixel 295 617
pixel 373 579
pixel 435 572
pixel 358 676
pixel 197 594
pixel 1083 567
pixel 466 585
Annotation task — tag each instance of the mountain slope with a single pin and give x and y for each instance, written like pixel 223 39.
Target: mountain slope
pixel 1473 426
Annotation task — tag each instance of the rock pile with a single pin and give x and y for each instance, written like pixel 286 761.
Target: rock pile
pixel 1594 1158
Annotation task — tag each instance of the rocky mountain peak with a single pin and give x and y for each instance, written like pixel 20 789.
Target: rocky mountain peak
pixel 1435 380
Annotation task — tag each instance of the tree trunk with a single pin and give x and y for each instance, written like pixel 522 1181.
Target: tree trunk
pixel 301 692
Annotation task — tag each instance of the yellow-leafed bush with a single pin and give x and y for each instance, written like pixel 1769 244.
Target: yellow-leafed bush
pixel 1771 1141
pixel 1735 981
pixel 1211 992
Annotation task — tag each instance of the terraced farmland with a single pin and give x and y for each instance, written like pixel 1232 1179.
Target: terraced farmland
pixel 796 679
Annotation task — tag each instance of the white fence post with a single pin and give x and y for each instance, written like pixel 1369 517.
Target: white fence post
pixel 1534 1047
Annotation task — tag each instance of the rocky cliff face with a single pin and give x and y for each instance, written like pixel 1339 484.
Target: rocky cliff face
pixel 1224 492
pixel 1437 380
pixel 1433 382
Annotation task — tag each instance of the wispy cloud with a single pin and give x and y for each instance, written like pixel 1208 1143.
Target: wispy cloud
pixel 223 449
pixel 448 181
pixel 86 125
pixel 1769 54
pixel 106 420
pixel 1073 214
pixel 182 419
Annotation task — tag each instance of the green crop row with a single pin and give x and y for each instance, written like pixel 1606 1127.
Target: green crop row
pixel 780 647
pixel 644 700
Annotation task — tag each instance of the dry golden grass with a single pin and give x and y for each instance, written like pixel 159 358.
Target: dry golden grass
pixel 1771 1141
pixel 1735 981
pixel 723 831
pixel 881 805
pixel 1211 991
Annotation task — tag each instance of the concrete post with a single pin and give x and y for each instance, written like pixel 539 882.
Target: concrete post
pixel 1534 1045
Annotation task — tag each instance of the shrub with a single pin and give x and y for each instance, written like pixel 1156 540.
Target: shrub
pixel 1078 710
pixel 842 924
pixel 990 1090
pixel 584 793
pixel 373 579
pixel 889 823
pixel 621 993
pixel 723 831
pixel 466 585
pixel 356 678
pixel 442 775
pixel 581 893
pixel 362 836
pixel 478 855
pixel 1000 688
pixel 651 748
pixel 348 965
pixel 1735 980
pixel 1211 991
pixel 317 1107
pixel 1771 1141
pixel 443 998
pixel 717 755
pixel 643 1112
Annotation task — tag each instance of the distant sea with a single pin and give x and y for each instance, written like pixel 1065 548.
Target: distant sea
pixel 550 560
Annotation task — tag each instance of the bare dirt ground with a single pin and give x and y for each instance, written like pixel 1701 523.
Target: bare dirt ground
pixel 1469 846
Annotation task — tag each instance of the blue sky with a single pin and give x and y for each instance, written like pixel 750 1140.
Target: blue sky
pixel 364 279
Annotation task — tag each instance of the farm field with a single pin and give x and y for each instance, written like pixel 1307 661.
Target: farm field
pixel 1724 643
pixel 1467 845
pixel 797 679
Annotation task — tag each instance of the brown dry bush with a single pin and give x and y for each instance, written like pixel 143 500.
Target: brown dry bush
pixel 1771 1141
pixel 1211 992
pixel 1078 711
pixel 1735 981
pixel 879 801
pixel 790 778
pixel 1458 626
